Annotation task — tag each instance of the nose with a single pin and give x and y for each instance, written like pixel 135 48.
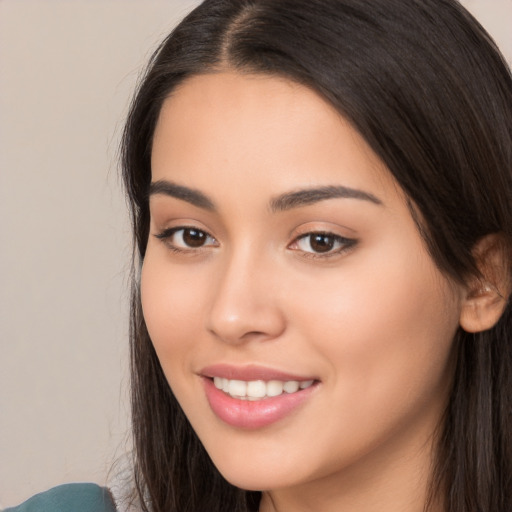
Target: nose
pixel 245 305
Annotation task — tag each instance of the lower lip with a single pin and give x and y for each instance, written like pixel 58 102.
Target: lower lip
pixel 255 414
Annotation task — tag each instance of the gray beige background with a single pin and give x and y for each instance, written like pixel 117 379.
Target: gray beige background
pixel 67 68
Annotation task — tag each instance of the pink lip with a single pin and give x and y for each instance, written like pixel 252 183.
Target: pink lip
pixel 248 414
pixel 249 372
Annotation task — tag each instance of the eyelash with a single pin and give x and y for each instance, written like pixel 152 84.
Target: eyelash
pixel 345 244
pixel 168 234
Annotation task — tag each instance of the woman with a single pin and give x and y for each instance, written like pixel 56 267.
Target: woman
pixel 320 195
pixel 398 311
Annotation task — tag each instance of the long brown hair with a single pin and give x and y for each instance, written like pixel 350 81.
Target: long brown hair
pixel 429 91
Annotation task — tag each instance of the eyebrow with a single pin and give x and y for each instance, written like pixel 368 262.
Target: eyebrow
pixel 308 196
pixel 187 194
pixel 281 203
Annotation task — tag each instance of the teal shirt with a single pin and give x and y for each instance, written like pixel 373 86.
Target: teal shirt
pixel 69 498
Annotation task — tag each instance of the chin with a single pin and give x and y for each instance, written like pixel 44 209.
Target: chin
pixel 254 480
pixel 261 471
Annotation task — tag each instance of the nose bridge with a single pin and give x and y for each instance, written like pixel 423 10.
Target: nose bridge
pixel 244 305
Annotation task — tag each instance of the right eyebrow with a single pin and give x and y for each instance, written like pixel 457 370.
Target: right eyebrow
pixel 190 195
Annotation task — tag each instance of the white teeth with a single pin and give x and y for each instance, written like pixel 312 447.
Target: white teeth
pixel 237 388
pixel 291 386
pixel 257 389
pixel 275 387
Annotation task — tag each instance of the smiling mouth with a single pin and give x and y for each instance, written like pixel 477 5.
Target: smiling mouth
pixel 259 389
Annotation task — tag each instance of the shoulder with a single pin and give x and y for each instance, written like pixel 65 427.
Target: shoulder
pixel 69 498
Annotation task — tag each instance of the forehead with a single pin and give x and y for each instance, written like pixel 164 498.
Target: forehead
pixel 255 102
pixel 239 126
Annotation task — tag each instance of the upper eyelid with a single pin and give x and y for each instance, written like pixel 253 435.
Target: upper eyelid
pixel 164 233
pixel 335 231
pixel 321 232
pixel 178 227
pixel 340 238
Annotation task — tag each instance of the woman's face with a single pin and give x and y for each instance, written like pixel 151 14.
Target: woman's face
pixel 283 266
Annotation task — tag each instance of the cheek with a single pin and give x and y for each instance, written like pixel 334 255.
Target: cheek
pixel 386 328
pixel 170 304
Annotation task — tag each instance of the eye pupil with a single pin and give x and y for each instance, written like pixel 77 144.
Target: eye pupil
pixel 321 243
pixel 194 237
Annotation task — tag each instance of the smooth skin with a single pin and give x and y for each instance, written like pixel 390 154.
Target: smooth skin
pixel 231 278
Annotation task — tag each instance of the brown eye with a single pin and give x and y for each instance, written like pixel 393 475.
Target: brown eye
pixel 186 239
pixel 321 243
pixel 194 237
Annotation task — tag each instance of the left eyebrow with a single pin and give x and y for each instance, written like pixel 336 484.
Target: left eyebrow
pixel 308 196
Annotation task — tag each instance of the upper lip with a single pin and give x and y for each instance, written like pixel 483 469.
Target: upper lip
pixel 249 373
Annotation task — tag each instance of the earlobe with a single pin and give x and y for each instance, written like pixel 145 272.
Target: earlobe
pixel 487 295
pixel 482 309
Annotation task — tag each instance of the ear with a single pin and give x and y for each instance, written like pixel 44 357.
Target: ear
pixel 487 294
